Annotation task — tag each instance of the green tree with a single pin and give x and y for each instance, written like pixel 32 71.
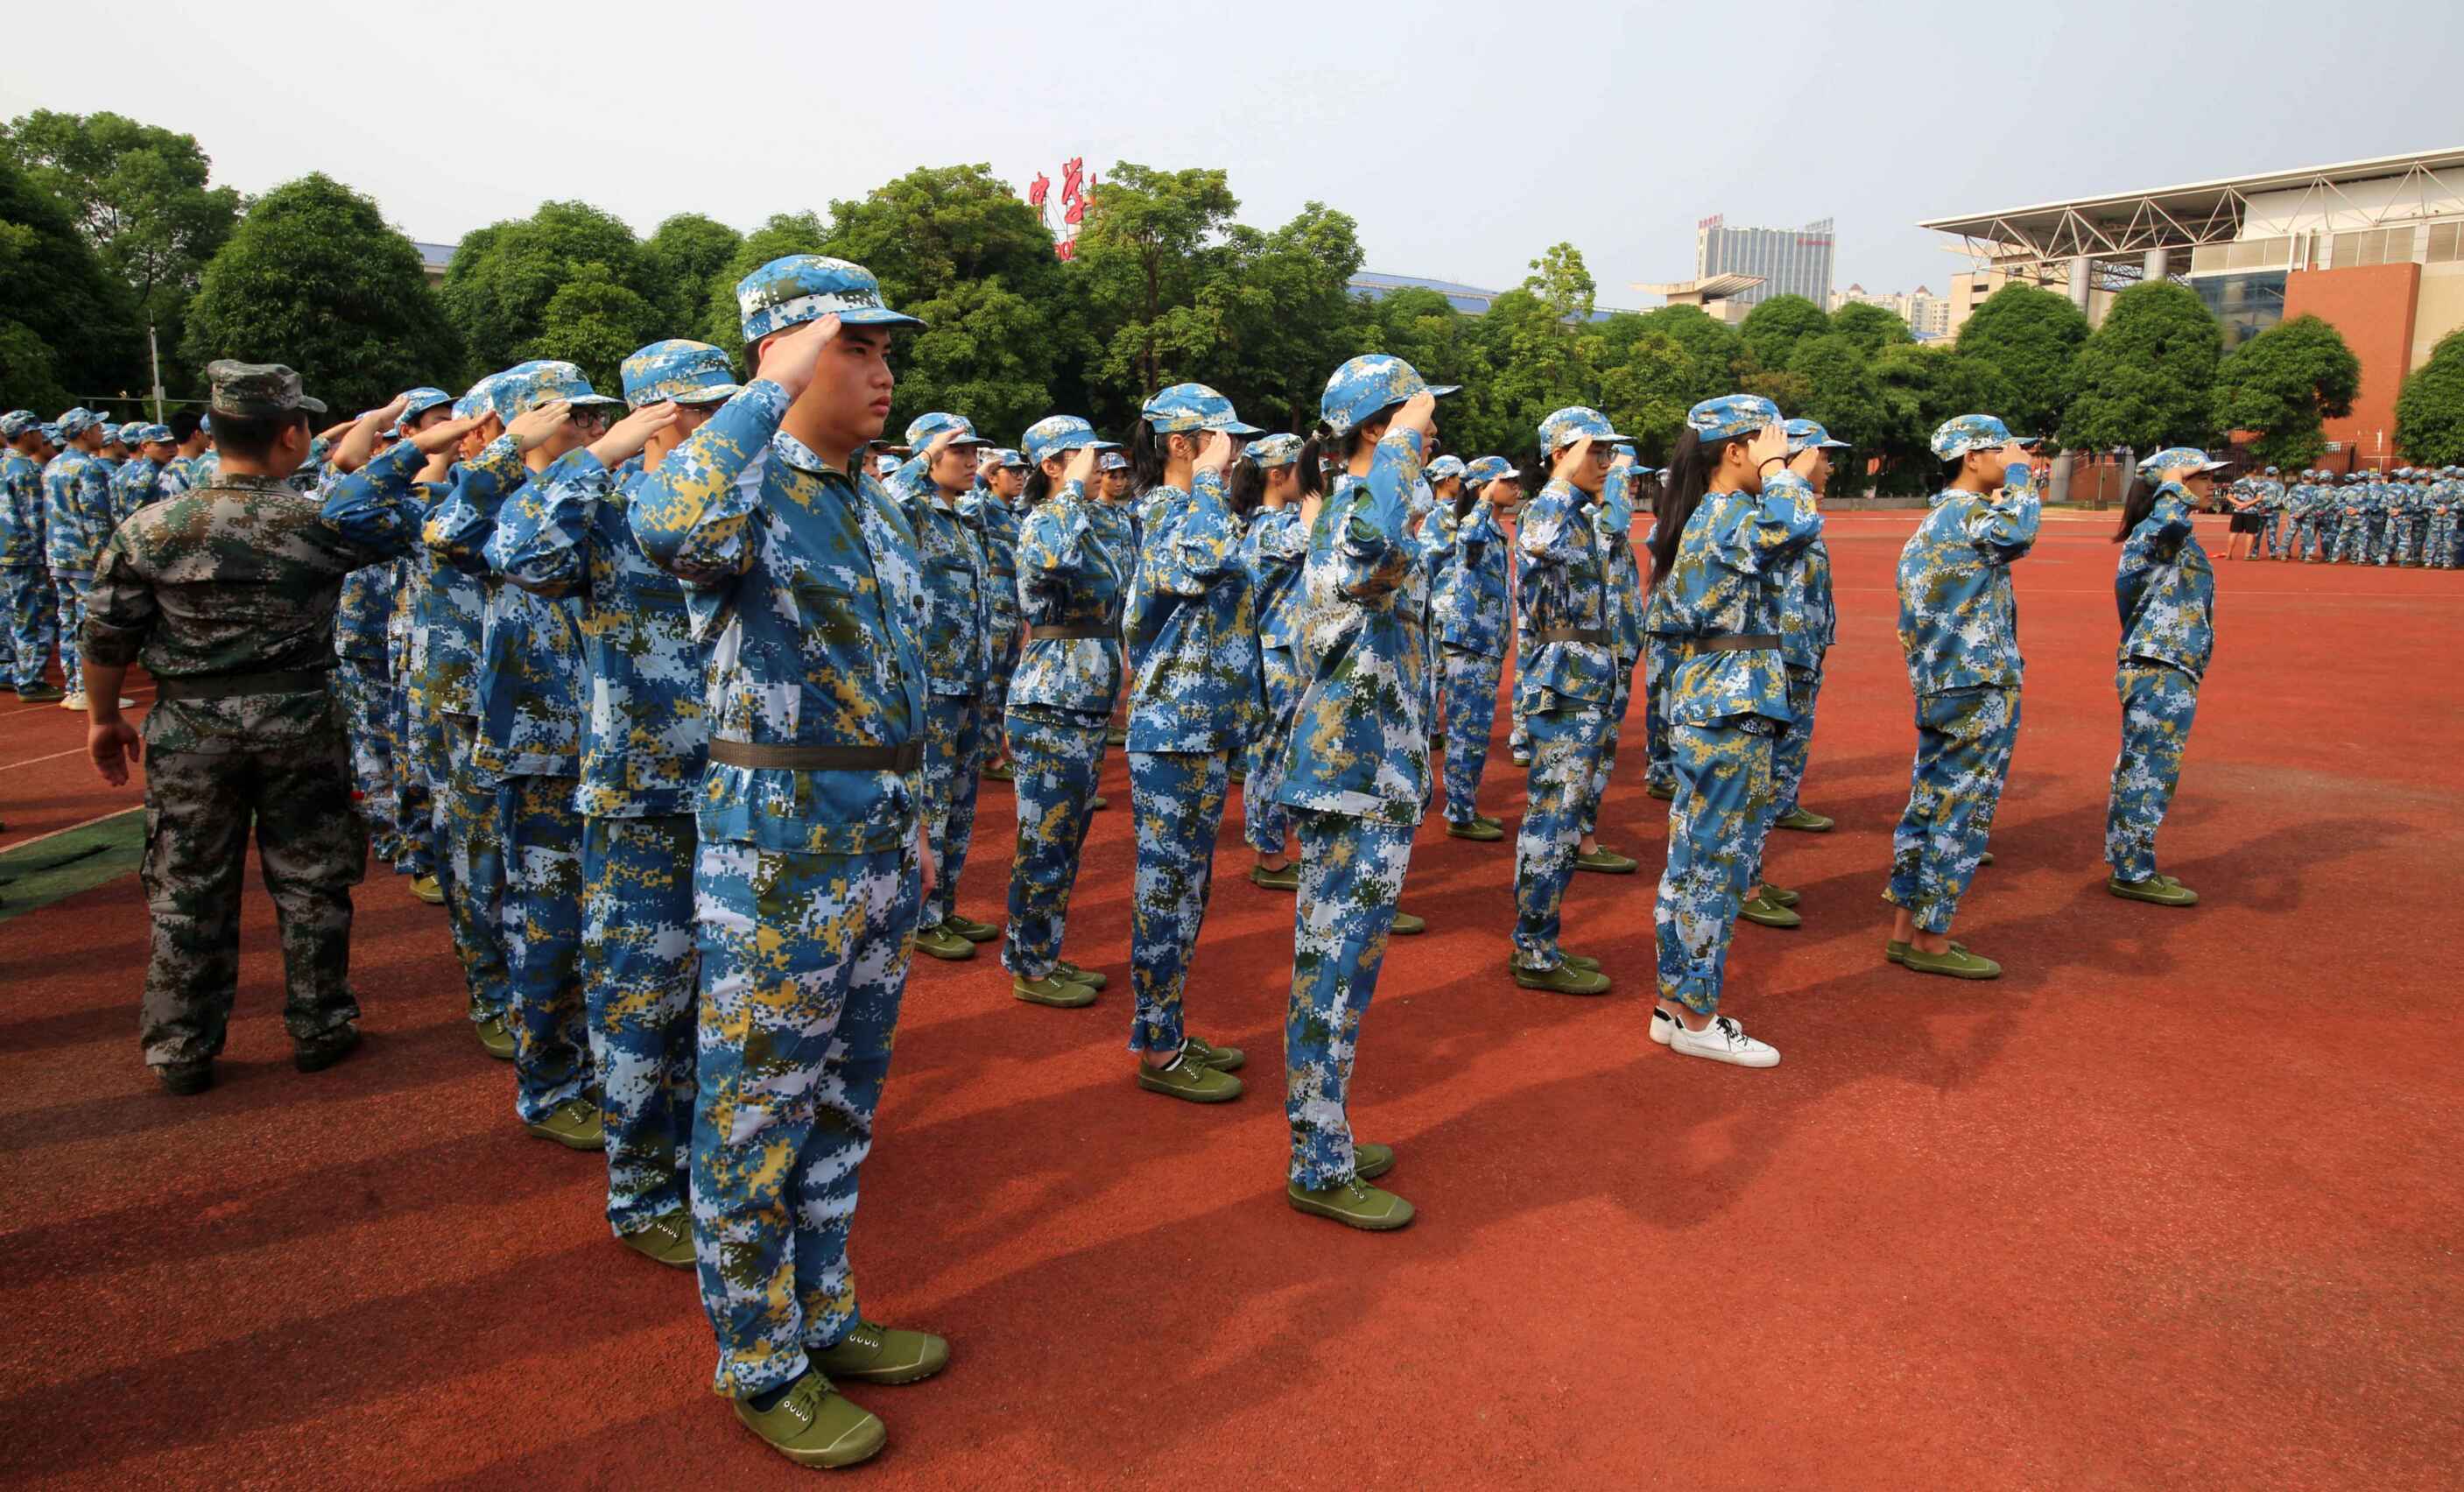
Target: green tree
pixel 683 255
pixel 595 323
pixel 783 235
pixel 2281 383
pixel 1288 317
pixel 1645 382
pixel 1149 241
pixel 1562 283
pixel 139 194
pixel 1870 328
pixel 1714 352
pixel 2031 336
pixel 2146 378
pixel 1772 329
pixel 315 278
pixel 67 329
pixel 2430 411
pixel 1841 391
pixel 1920 388
pixel 502 277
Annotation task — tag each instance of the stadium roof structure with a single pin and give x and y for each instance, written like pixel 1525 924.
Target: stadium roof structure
pixel 1694 292
pixel 2124 226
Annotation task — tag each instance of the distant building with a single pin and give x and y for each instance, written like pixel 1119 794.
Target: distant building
pixel 1469 299
pixel 1787 261
pixel 1720 297
pixel 1926 314
pixel 433 258
pixel 2375 248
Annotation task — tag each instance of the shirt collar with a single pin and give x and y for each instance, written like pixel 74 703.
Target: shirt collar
pixel 804 458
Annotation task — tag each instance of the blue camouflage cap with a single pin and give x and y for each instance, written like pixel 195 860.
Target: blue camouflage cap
pixel 151 433
pixel 1270 451
pixel 2271 470
pixel 1487 469
pixel 1056 434
pixel 478 399
pixel 1441 469
pixel 52 432
pixel 2177 458
pixel 76 422
pixel 539 382
pixel 807 287
pixel 130 433
pixel 1367 385
pixel 1574 423
pixel 677 369
pixel 1730 415
pixel 417 402
pixel 1193 407
pixel 1973 433
pixel 1004 457
pixel 1807 435
pixel 1112 460
pixel 17 422
pixel 885 463
pixel 921 429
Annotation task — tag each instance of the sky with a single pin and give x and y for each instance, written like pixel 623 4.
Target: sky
pixel 1464 138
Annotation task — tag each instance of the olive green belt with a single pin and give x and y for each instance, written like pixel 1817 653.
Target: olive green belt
pixel 1059 633
pixel 1597 636
pixel 1748 641
pixel 817 758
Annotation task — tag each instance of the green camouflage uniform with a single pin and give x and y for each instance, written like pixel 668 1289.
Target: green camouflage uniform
pixel 226 593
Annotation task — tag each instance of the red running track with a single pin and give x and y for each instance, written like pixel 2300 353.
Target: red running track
pixel 2162 1207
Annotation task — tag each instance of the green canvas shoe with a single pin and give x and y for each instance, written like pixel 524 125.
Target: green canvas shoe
pixel 2162 890
pixel 1805 819
pixel 970 928
pixel 943 944
pixel 1895 952
pixel 1053 990
pixel 812 1425
pixel 1368 1162
pixel 1077 976
pixel 1563 978
pixel 1482 833
pixel 871 1353
pixel 1286 879
pixel 1407 925
pixel 1098 803
pixel 665 1238
pixel 1665 792
pixel 1582 961
pixel 1000 771
pixel 1354 1203
pixel 1957 963
pixel 1494 824
pixel 1781 894
pixel 495 1038
pixel 1605 860
pixel 573 1124
pixel 1985 859
pixel 1222 1059
pixel 1764 913
pixel 427 888
pixel 1189 1080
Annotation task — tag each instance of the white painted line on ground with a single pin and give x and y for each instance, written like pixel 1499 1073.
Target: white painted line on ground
pixel 72 828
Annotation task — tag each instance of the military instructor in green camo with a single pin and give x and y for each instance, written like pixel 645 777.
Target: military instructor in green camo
pixel 227 593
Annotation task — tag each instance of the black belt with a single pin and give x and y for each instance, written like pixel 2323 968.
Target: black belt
pixel 819 759
pixel 1748 642
pixel 1597 636
pixel 1057 633
pixel 224 686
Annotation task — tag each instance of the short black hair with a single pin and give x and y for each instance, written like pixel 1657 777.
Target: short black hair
pixel 184 423
pixel 251 437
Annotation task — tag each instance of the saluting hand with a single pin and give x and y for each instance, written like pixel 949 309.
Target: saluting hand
pixel 532 427
pixel 445 434
pixel 1571 459
pixel 1215 454
pixel 625 438
pixel 789 361
pixel 1420 412
pixel 1082 466
pixel 1769 443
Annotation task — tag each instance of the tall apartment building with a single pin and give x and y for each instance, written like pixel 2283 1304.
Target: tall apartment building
pixel 1789 262
pixel 1928 315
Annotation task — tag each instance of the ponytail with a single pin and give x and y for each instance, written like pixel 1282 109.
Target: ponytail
pixel 1319 452
pixel 1682 487
pixel 1248 488
pixel 1147 451
pixel 1037 486
pixel 2140 502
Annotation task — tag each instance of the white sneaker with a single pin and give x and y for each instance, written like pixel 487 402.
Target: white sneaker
pixel 1662 1025
pixel 75 702
pixel 1722 1041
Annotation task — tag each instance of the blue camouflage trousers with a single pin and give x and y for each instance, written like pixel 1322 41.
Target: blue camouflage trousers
pixel 1055 754
pixel 2158 702
pixel 1794 746
pixel 2439 546
pixel 1964 739
pixel 637 980
pixel 1472 715
pixel 31 615
pixel 995 713
pixel 2375 545
pixel 1518 734
pixel 1565 746
pixel 1620 700
pixel 1715 828
pixel 367 691
pixel 1177 803
pixel 2305 539
pixel 550 1021
pixel 2350 539
pixel 1660 656
pixel 472 867
pixel 804 959
pixel 2397 546
pixel 1263 819
pixel 70 586
pixel 1352 872
pixel 953 746
pixel 414 739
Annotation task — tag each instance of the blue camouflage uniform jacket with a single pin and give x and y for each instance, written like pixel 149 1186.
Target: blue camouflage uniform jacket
pixel 448 606
pixel 76 511
pixel 955 621
pixel 136 483
pixel 1273 549
pixel 1565 584
pixel 1473 609
pixel 1959 621
pixel 1614 517
pixel 1192 626
pixel 1728 578
pixel 528 689
pixel 1117 529
pixel 645 728
pixel 1809 623
pixel 2166 588
pixel 806 583
pixel 21 510
pixel 1361 740
pixel 995 525
pixel 368 602
pixel 1068 576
